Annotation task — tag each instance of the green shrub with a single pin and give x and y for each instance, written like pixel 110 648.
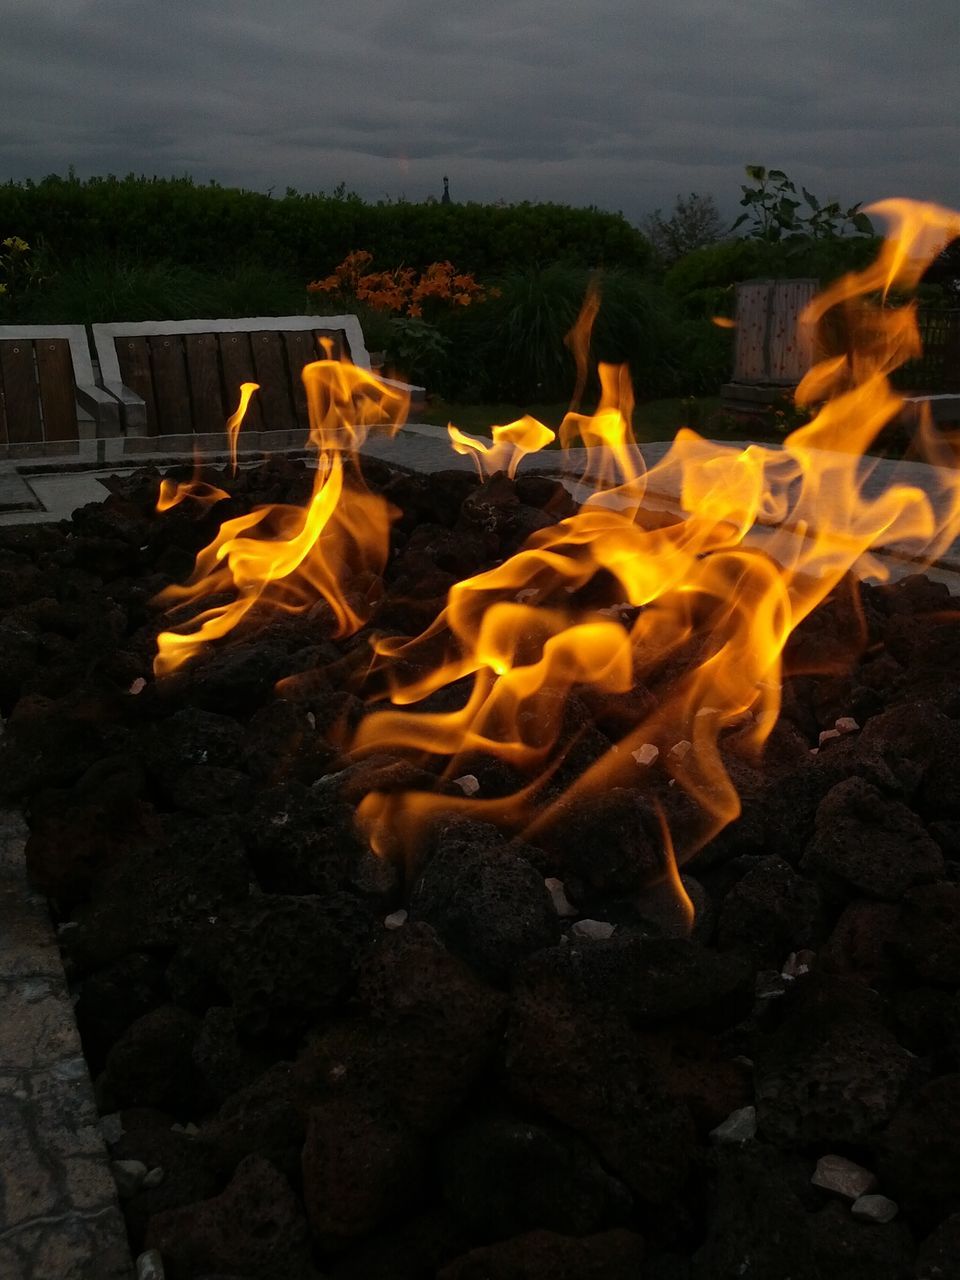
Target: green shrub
pixel 212 228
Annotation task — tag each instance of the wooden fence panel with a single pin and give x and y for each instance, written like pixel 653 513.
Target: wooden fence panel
pixel 749 362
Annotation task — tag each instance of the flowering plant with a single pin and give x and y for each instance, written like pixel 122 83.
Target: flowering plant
pixel 403 290
pixel 13 252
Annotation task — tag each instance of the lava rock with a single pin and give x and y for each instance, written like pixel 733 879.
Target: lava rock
pixel 939 1256
pixel 151 1065
pixel 280 960
pixel 928 932
pixel 359 1166
pixel 486 902
pixel 919 1153
pixel 112 998
pixel 877 846
pixel 610 842
pixel 253 1228
pixel 861 945
pixel 544 1255
pixel 831 1073
pixel 587 1069
pixel 772 911
pixel 756 1222
pixel 502 1176
pixel 842 1246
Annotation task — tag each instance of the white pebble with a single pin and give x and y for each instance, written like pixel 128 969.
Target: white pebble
pixel 797 964
pixel 599 930
pixel 647 754
pixel 739 1126
pixel 311 720
pixel 680 750
pixel 835 1173
pixel 469 784
pixel 846 724
pixel 395 920
pixel 875 1209
pixel 528 593
pixel 828 735
pixel 150 1266
pixel 138 685
pixel 558 894
pixel 155 1176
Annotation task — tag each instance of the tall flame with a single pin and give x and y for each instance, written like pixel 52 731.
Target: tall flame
pixel 684 616
pixel 706 601
pixel 288 557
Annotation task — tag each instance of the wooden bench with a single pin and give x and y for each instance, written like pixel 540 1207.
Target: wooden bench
pixel 50 404
pixel 177 382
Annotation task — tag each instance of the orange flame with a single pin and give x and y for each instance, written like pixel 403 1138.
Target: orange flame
pixel 511 444
pixel 699 606
pixel 235 421
pixel 682 612
pixel 287 557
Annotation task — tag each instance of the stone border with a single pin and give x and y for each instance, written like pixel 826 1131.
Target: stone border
pixel 59 1214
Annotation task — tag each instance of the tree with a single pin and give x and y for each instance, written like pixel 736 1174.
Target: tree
pixel 694 223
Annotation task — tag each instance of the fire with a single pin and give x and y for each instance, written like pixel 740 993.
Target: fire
pixel 683 615
pixel 286 557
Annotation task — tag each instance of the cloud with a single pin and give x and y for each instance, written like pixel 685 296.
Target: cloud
pixel 620 103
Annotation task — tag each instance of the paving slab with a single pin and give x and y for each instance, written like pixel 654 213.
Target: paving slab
pixel 59 1214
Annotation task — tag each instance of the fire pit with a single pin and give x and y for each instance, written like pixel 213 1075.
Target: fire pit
pixel 457 880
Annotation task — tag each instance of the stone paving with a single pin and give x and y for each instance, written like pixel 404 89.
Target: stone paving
pixel 59 1216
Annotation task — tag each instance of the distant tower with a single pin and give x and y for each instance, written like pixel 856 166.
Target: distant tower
pixel 445 198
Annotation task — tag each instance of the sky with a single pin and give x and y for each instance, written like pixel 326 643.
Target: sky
pixel 621 104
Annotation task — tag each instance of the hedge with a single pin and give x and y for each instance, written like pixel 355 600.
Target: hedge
pixel 208 226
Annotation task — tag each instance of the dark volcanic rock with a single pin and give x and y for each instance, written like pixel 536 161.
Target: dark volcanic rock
pixel 939 1256
pixel 586 1068
pixel 853 1250
pixel 502 1176
pixel 610 841
pixel 432 1029
pixel 360 1167
pixel 772 910
pixel 928 932
pixel 110 999
pixel 487 903
pixel 544 1255
pixel 831 1072
pixel 151 1064
pixel 875 845
pixel 920 1153
pixel 253 1228
pixel 280 960
pixel 758 1225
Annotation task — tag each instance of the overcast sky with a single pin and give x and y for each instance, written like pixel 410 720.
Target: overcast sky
pixel 618 103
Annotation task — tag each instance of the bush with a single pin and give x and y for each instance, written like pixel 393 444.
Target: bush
pixel 704 280
pixel 212 228
pixel 511 348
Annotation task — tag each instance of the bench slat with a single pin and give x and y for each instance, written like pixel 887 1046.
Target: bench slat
pixel 19 376
pixel 299 346
pixel 236 359
pixel 133 357
pixel 170 389
pixel 57 389
pixel 276 402
pixel 203 371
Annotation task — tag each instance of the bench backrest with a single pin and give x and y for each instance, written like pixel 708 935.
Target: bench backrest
pixel 40 368
pixel 188 373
